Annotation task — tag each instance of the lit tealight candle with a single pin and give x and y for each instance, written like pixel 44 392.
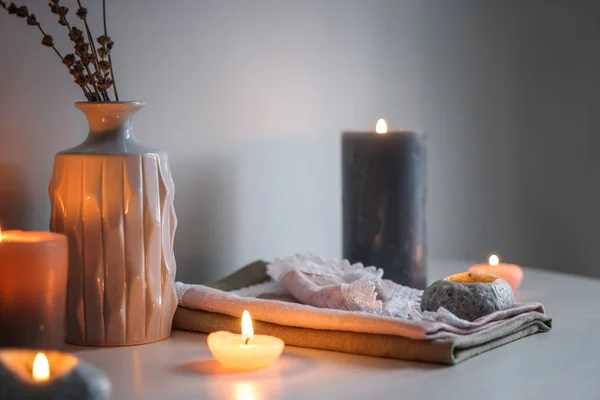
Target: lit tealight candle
pixel 511 273
pixel 29 374
pixel 246 351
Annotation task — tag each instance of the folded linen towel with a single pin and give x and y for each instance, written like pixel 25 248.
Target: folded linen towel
pixel 435 337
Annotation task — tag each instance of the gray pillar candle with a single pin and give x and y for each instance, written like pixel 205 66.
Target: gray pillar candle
pixel 384 186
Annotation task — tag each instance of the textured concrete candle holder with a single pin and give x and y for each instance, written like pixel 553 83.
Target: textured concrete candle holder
pixel 70 378
pixel 468 295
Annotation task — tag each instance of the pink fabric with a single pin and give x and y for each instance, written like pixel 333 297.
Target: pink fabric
pixel 201 297
pixel 310 292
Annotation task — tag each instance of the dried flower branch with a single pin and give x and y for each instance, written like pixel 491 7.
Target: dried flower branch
pixel 81 51
pixel 82 14
pixel 91 67
pixel 109 47
pixel 47 40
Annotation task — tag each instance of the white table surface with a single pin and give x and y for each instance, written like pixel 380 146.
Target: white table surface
pixel 561 364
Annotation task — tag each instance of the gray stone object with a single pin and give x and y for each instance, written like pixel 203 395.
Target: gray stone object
pixel 74 379
pixel 468 295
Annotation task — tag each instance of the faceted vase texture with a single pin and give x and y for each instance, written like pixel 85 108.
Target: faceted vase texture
pixel 113 198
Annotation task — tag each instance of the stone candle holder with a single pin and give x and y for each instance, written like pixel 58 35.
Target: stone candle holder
pixel 468 295
pixel 69 378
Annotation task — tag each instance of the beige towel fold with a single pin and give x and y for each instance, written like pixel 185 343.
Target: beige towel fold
pixel 445 348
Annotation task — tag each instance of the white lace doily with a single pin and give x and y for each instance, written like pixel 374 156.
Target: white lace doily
pixel 338 284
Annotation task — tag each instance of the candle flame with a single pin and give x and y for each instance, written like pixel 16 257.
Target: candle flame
pixel 247 328
pixel 494 260
pixel 41 368
pixel 381 126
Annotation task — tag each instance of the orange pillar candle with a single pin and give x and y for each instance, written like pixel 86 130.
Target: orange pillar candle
pixel 33 283
pixel 246 351
pixel 511 273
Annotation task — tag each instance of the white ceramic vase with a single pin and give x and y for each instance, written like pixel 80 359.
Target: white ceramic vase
pixel 113 198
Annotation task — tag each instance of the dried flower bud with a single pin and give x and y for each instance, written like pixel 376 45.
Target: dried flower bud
pixel 81 80
pixel 76 34
pixel 63 11
pixel 102 52
pixel 110 45
pixel 63 21
pixel 75 71
pixel 81 48
pixel 22 12
pixel 12 8
pixel 103 40
pixel 48 40
pixel 69 60
pixel 104 65
pixel 31 20
pixel 82 12
pixel 87 58
pixel 78 66
pixel 53 8
pixel 104 83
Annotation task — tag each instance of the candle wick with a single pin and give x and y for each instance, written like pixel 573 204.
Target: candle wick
pixel 247 341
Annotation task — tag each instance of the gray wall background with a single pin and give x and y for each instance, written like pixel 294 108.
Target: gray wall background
pixel 249 98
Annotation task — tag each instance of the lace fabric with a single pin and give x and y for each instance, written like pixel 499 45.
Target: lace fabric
pixel 339 284
pixel 310 292
pixel 181 289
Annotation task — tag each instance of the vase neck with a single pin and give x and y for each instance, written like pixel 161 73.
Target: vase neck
pixel 111 119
